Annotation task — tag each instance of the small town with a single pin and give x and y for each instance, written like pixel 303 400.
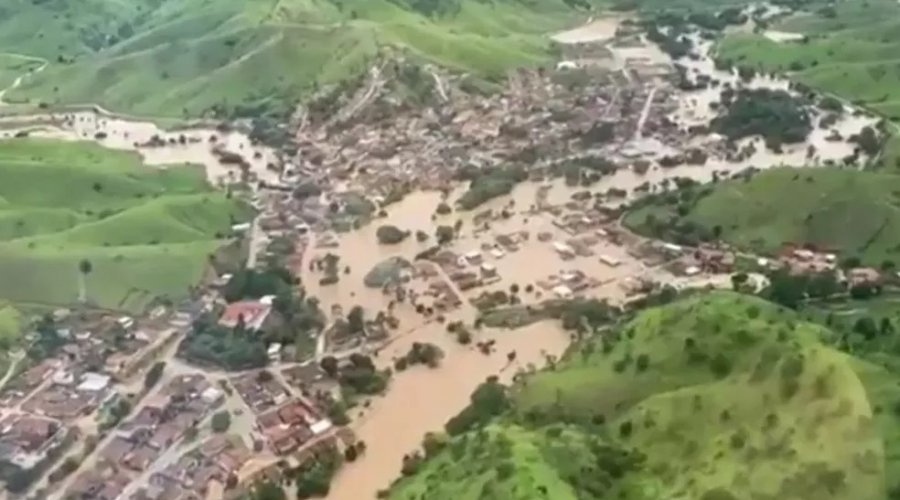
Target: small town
pixel 413 223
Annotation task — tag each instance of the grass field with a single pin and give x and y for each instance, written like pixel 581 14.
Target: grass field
pixel 723 396
pixel 147 231
pixel 853 53
pixel 178 58
pixel 851 212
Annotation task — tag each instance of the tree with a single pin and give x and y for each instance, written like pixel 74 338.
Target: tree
pixel 887 327
pixel 329 365
pixel 154 374
pixel 443 209
pixel 738 280
pixel 390 235
pixel 865 326
pixel 356 319
pixel 84 269
pixel 444 234
pixel 643 361
pixel 268 491
pixel 221 421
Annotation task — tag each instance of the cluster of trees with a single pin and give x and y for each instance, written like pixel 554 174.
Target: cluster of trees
pixel 231 348
pixel 488 184
pixel 776 115
pixel 420 353
pixel 359 376
pixel 253 284
pixel 47 341
pixel 489 399
pixel 790 290
pixel 314 476
pixel 868 141
pixel 579 314
pixel 671 41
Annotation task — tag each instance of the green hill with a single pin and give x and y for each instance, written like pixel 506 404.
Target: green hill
pixel 855 213
pixel 147 231
pixel 171 58
pixel 714 397
pixel 852 50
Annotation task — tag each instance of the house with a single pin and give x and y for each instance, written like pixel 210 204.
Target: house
pixel 863 276
pixel 564 251
pixel 93 382
pixel 253 314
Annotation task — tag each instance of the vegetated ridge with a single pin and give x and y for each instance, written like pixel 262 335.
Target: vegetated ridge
pixel 145 231
pixel 718 396
pixel 169 58
pixel 854 213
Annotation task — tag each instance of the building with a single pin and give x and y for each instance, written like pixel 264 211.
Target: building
pixel 253 314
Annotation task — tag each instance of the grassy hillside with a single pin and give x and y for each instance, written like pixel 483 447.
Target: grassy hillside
pixel 172 58
pixel 147 231
pixel 853 54
pixel 855 213
pixel 715 397
pixel 851 49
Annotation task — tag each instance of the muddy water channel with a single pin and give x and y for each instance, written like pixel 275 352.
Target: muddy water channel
pixel 422 399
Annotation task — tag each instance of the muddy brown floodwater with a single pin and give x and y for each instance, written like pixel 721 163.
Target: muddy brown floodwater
pixel 421 399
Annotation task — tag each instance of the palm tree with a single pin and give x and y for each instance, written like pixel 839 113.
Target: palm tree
pixel 84 268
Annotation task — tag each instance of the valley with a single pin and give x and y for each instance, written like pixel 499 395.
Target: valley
pixel 458 250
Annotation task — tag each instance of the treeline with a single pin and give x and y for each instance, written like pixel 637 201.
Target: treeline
pixel 487 184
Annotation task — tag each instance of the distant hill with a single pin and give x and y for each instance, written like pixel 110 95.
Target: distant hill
pixel 854 213
pixel 147 231
pixel 714 397
pixel 176 58
pixel 847 48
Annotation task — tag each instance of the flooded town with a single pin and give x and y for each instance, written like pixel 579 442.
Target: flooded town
pixel 415 214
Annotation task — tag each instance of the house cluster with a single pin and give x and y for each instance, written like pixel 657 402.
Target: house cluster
pixel 213 464
pixel 25 440
pixel 292 425
pixel 809 261
pixel 70 394
pixel 161 422
pixel 260 390
pixel 541 117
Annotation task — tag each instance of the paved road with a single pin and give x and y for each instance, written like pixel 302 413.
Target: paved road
pixel 639 131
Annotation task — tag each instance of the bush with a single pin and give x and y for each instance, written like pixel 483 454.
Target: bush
pixel 443 209
pixel 720 365
pixel 643 361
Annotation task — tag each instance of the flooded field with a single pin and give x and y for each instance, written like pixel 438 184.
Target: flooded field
pixel 155 145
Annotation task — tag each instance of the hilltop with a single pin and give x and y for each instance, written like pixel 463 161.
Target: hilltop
pixel 170 58
pixel 146 231
pixel 717 396
pixel 854 213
